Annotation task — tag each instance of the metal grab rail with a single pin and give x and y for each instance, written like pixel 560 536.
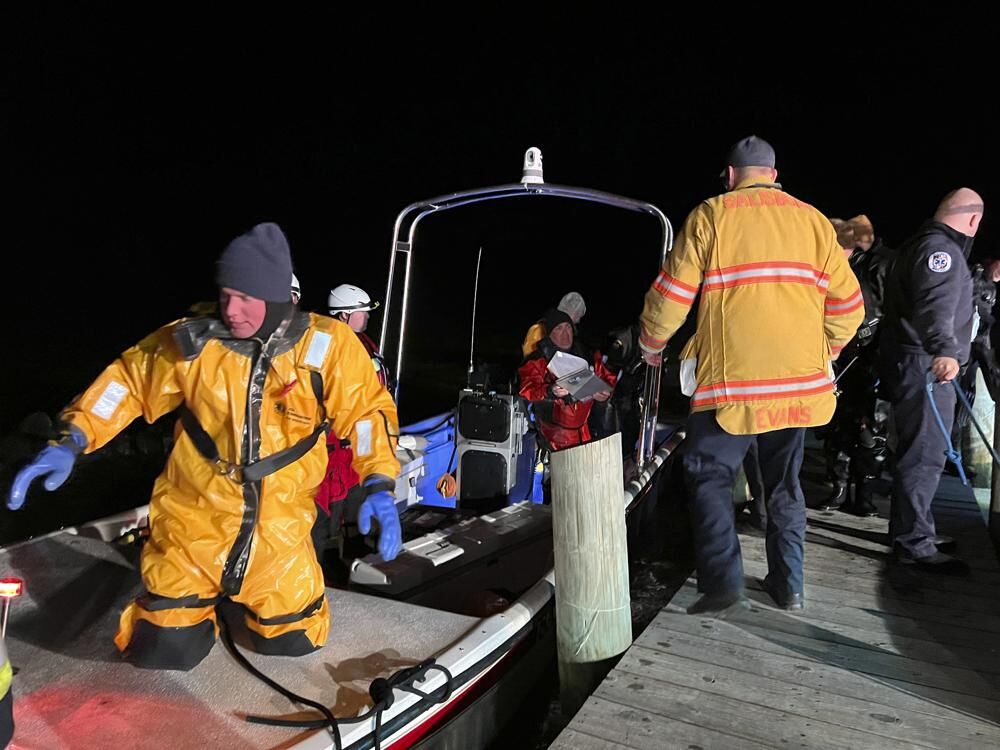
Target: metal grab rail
pixel 404 233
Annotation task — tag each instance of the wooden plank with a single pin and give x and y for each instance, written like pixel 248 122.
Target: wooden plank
pixel 807 700
pixel 979 583
pixel 748 720
pixel 671 632
pixel 651 730
pixel 960 606
pixel 981 557
pixel 973 545
pixel 848 520
pixel 985 658
pixel 987 576
pixel 940 504
pixel 845 539
pixel 961 516
pixel 878 659
pixel 959 680
pixel 571 739
pixel 896 626
pixel 819 541
pixel 982 585
pixel 978 559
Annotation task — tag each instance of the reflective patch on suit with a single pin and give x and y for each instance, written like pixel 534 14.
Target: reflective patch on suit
pixel 689 383
pixel 939 262
pixel 364 442
pixel 318 347
pixel 110 400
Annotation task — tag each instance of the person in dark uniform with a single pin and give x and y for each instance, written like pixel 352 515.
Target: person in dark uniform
pixel 855 440
pixel 929 317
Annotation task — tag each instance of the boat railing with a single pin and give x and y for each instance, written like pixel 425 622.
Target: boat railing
pixel 532 184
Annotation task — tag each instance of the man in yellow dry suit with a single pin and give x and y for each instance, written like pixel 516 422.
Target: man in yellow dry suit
pixel 778 302
pixel 230 517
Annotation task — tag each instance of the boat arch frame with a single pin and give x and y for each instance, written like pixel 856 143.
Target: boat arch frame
pixel 404 236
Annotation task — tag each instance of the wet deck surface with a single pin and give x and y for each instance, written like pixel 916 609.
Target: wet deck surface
pixel 881 657
pixel 73 690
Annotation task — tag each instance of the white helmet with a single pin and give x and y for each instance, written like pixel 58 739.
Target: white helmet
pixel 573 305
pixel 348 298
pixel 296 289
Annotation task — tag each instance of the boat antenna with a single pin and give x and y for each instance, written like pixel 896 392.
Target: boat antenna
pixel 475 296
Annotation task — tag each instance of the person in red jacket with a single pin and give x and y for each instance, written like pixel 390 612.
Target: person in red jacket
pixel 562 420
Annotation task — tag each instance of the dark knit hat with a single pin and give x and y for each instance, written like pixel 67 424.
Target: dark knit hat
pixel 258 263
pixel 554 317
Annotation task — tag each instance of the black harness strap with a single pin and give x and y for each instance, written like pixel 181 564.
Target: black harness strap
pixel 286 619
pixel 256 471
pixel 157 603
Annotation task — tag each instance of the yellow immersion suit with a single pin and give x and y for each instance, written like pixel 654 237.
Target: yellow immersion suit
pixel 216 535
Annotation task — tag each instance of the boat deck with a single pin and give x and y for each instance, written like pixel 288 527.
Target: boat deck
pixel 881 657
pixel 72 689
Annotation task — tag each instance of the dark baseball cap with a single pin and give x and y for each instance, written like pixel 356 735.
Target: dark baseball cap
pixel 750 152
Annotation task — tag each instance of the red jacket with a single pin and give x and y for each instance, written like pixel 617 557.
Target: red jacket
pixel 562 421
pixel 340 475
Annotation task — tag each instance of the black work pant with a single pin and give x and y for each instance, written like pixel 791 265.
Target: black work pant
pixel 711 459
pixel 920 453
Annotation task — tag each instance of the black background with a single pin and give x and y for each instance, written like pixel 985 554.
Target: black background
pixel 136 146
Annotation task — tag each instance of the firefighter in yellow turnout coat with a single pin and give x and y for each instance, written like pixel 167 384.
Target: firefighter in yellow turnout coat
pixel 231 514
pixel 778 301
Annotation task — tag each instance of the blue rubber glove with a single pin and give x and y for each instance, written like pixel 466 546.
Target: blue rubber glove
pixel 56 461
pixel 382 505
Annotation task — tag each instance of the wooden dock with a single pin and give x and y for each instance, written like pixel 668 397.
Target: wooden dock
pixel 881 657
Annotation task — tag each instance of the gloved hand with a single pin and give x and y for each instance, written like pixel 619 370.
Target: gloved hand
pixel 56 461
pixel 382 505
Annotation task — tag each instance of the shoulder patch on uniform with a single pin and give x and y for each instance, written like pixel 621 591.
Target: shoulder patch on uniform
pixel 939 262
pixel 319 345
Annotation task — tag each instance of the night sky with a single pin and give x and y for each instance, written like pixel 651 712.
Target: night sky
pixel 136 147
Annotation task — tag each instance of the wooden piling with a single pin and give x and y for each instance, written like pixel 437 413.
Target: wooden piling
pixel 593 612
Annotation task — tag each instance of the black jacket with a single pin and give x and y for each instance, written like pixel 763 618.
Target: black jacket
pixel 929 306
pixel 872 269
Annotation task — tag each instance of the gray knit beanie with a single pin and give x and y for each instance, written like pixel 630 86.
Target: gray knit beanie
pixel 258 263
